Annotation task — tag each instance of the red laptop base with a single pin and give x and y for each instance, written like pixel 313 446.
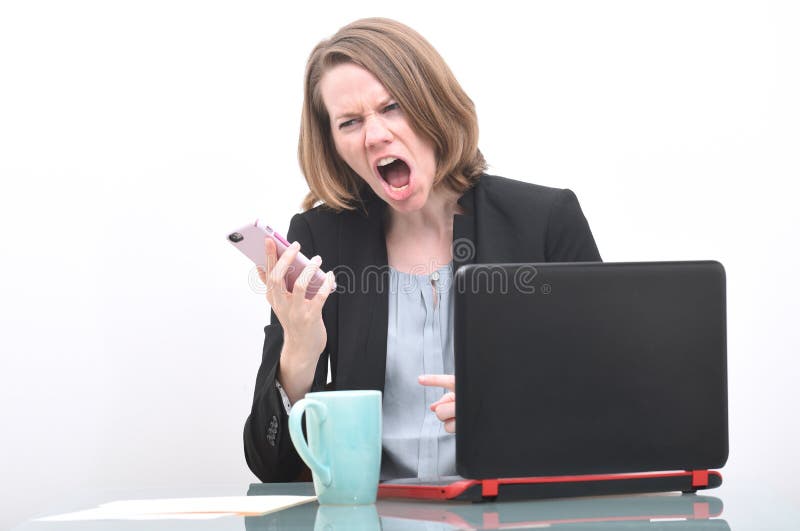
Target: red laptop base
pixel 555 486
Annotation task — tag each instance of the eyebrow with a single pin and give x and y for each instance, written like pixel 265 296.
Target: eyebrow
pixel 381 104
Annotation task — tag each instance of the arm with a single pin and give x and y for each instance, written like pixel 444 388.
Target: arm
pixel 569 238
pixel 268 449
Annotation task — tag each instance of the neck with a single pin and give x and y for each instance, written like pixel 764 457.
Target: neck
pixel 435 217
pixel 419 242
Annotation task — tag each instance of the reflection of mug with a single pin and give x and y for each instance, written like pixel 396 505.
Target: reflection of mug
pixel 347 517
pixel 344 444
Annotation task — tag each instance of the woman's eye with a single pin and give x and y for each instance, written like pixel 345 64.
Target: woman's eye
pixel 391 107
pixel 347 124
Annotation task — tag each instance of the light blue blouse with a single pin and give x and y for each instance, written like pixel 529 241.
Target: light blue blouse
pixel 419 341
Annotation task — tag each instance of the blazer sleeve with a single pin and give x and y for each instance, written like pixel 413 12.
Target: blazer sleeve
pixel 268 448
pixel 569 238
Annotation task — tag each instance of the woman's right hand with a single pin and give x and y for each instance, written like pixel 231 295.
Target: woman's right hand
pixel 304 334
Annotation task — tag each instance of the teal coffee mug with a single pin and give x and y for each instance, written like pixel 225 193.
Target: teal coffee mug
pixel 347 518
pixel 344 444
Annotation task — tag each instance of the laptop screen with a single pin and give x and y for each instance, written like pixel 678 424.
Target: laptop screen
pixel 586 368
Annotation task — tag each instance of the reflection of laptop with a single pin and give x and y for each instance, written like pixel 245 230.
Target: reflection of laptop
pixel 643 513
pixel 660 512
pixel 586 378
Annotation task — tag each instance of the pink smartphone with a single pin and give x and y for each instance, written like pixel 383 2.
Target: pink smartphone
pixel 250 241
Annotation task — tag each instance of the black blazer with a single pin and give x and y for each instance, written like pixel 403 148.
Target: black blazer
pixel 503 221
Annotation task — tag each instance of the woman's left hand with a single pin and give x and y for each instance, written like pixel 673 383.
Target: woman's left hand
pixel 445 407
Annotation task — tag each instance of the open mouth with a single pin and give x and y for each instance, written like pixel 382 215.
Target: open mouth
pixel 395 172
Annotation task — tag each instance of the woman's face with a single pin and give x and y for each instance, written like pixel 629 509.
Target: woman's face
pixel 374 138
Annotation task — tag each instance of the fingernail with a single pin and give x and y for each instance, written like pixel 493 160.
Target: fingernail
pixel 317 259
pixel 295 245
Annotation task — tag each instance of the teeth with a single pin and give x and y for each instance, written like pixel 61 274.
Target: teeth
pixel 398 189
pixel 386 160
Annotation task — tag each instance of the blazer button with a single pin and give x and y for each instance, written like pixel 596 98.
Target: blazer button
pixel 272 430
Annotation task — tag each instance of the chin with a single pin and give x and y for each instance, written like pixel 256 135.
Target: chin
pixel 411 204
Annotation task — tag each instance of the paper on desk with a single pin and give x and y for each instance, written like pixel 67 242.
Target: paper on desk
pixel 184 508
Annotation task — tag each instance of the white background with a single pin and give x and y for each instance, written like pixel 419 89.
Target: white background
pixel 134 136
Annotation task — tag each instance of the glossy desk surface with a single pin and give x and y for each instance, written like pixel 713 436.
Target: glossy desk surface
pixel 668 511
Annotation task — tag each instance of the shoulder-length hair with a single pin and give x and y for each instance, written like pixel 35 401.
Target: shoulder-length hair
pixel 417 77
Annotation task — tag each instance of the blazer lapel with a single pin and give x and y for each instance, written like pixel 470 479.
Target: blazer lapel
pixel 465 246
pixel 364 305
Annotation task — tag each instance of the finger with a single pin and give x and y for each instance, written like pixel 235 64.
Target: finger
pixel 278 272
pixel 448 381
pixel 270 292
pixel 324 291
pixel 271 252
pixel 273 287
pixel 262 275
pixel 271 257
pixel 450 426
pixel 445 412
pixel 447 397
pixel 301 284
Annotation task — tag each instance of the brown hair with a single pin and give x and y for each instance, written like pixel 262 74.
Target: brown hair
pixel 417 77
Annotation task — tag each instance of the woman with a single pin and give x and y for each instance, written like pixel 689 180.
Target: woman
pixel 398 201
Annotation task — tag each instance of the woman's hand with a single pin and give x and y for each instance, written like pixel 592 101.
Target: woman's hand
pixel 445 407
pixel 304 334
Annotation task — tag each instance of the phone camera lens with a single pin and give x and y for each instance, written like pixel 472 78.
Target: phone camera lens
pixel 235 237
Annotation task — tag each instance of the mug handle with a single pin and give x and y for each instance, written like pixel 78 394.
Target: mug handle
pixel 322 471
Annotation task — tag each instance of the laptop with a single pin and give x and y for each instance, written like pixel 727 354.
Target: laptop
pixel 586 378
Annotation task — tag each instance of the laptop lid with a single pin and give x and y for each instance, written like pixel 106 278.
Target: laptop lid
pixel 590 368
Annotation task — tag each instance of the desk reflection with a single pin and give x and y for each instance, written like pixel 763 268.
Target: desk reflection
pixel 656 512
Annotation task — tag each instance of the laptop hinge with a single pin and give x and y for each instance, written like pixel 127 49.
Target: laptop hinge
pixel 699 478
pixel 489 487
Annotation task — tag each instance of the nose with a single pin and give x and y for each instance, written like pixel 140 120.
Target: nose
pixel 376 132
